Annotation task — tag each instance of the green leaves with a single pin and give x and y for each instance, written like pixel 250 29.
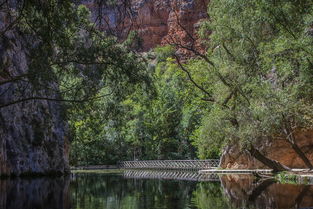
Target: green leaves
pixel 259 78
pixel 262 51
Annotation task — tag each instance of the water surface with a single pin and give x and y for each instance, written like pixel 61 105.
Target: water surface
pixel 139 191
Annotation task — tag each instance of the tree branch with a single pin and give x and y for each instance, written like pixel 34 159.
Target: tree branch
pixel 53 99
pixel 193 81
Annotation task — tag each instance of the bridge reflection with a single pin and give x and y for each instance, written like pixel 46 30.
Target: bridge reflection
pixel 170 175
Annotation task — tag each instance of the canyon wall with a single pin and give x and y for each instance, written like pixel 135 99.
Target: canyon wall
pixel 158 22
pixel 277 149
pixel 33 133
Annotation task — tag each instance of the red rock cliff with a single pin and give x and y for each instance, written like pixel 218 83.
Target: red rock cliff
pixel 157 22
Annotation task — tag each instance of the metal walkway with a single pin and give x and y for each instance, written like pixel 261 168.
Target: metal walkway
pixel 171 164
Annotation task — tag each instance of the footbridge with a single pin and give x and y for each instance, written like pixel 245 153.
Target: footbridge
pixel 171 164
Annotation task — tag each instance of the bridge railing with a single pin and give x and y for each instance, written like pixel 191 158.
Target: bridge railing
pixel 171 164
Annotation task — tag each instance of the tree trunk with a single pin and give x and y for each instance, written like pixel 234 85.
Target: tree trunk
pixel 273 164
pixel 291 140
pixel 299 152
pixel 260 188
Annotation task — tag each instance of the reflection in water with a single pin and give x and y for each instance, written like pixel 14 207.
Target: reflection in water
pixel 128 191
pixel 36 193
pixel 113 191
pixel 170 175
pixel 242 190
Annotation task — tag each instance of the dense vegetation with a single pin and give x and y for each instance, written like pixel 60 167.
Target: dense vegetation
pixel 261 71
pixel 253 82
pixel 154 123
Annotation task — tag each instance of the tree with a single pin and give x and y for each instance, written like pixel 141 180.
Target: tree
pixel 259 73
pixel 153 123
pixel 65 58
pixel 68 59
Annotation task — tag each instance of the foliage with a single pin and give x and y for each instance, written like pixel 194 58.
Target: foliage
pixel 149 123
pixel 287 178
pixel 255 81
pixel 69 60
pixel 261 71
pixel 210 195
pixel 67 56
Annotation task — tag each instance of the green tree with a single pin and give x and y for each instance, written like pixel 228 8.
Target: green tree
pixel 259 65
pixel 66 54
pixel 69 60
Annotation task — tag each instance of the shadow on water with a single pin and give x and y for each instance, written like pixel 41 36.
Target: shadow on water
pixel 147 190
pixel 34 193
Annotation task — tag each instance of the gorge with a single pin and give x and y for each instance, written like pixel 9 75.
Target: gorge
pixel 180 87
pixel 156 104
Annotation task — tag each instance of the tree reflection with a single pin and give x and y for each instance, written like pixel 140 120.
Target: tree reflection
pixel 210 195
pixel 35 193
pixel 243 191
pixel 112 191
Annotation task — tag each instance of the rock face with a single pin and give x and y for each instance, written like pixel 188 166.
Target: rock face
pixel 157 22
pixel 33 134
pixel 277 149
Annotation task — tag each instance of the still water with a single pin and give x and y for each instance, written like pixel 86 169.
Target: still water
pixel 136 191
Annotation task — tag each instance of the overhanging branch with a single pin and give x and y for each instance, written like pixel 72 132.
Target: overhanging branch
pixel 53 99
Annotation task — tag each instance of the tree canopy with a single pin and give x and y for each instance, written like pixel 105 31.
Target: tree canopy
pixel 254 82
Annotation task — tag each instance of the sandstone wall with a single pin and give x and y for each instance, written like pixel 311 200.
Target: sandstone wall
pixel 278 149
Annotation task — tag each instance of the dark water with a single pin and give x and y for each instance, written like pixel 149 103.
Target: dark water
pixel 114 191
